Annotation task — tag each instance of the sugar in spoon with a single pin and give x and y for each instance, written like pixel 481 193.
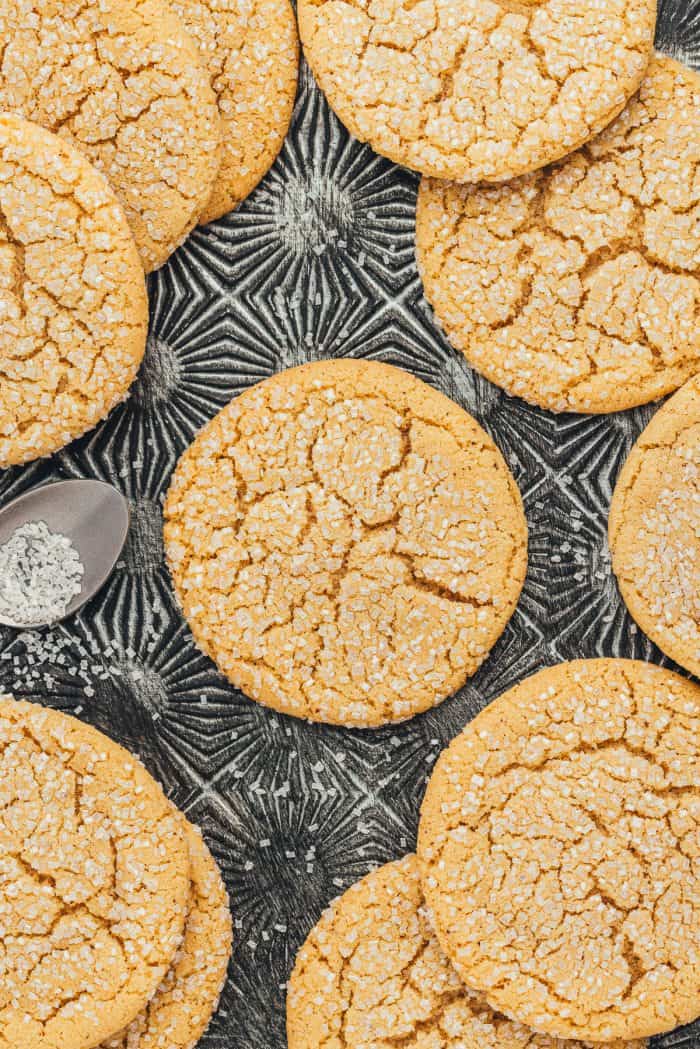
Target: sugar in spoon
pixel 58 545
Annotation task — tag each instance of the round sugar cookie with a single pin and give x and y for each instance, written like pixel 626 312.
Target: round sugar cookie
pixel 373 974
pixel 179 1013
pixel 559 851
pixel 123 82
pixel 477 89
pixel 578 287
pixel 72 294
pixel 250 49
pixel 346 543
pixel 654 528
pixel 93 881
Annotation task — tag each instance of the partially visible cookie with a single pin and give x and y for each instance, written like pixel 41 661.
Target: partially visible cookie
pixel 93 881
pixel 654 528
pixel 372 975
pixel 179 1013
pixel 122 82
pixel 477 89
pixel 72 294
pixel 250 49
pixel 346 543
pixel 578 287
pixel 559 845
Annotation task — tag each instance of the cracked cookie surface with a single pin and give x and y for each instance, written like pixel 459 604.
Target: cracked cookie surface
pixel 182 1007
pixel 72 295
pixel 124 84
pixel 372 975
pixel 250 49
pixel 346 543
pixel 559 845
pixel 93 882
pixel 477 90
pixel 654 528
pixel 578 287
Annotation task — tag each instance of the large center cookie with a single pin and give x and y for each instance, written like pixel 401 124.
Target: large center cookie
pixel 346 543
pixel 559 848
pixel 72 294
pixel 250 50
pixel 477 89
pixel 93 882
pixel 655 528
pixel 372 975
pixel 123 82
pixel 179 1012
pixel 578 287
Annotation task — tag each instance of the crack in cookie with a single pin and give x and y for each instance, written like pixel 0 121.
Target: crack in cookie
pixel 559 850
pixel 93 881
pixel 372 975
pixel 578 287
pixel 122 83
pixel 346 543
pixel 476 89
pixel 72 291
pixel 654 528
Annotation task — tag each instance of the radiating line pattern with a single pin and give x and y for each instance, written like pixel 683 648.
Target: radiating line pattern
pixel 318 263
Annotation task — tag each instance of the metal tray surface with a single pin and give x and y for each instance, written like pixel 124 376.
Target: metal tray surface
pixel 318 262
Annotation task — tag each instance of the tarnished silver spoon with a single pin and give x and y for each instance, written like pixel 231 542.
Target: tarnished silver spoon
pixel 58 545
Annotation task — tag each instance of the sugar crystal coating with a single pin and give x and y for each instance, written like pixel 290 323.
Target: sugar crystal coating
pixel 655 528
pixel 477 89
pixel 93 882
pixel 72 294
pixel 250 50
pixel 560 851
pixel 123 83
pixel 346 543
pixel 372 975
pixel 578 287
pixel 179 1012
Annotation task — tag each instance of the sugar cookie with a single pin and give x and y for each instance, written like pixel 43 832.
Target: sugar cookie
pixel 93 882
pixel 72 294
pixel 372 975
pixel 655 528
pixel 123 82
pixel 346 543
pixel 250 48
pixel 559 850
pixel 477 89
pixel 578 288
pixel 179 1013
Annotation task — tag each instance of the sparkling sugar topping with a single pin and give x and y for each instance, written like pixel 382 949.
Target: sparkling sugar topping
pixel 40 574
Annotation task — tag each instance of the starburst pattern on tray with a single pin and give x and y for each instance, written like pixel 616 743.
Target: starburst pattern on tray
pixel 318 263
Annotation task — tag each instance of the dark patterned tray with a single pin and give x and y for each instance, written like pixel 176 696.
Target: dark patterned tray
pixel 318 262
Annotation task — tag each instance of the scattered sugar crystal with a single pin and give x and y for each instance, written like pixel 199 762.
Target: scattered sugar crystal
pixel 40 574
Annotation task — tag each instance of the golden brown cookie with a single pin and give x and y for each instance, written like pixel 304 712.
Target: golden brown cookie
pixel 346 543
pixel 477 89
pixel 559 848
pixel 179 1013
pixel 72 294
pixel 93 882
pixel 121 81
pixel 372 975
pixel 578 288
pixel 654 528
pixel 250 48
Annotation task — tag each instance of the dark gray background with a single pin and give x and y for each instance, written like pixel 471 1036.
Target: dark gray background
pixel 318 262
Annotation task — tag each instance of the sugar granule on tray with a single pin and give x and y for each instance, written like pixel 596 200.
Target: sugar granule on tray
pixel 40 573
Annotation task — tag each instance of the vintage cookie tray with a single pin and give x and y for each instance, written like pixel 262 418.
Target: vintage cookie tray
pixel 318 262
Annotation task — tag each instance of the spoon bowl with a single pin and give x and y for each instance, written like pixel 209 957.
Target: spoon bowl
pixel 93 515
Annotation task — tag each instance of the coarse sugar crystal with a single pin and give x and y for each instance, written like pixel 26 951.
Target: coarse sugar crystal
pixel 40 574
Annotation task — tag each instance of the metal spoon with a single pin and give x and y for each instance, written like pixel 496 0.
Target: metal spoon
pixel 92 514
